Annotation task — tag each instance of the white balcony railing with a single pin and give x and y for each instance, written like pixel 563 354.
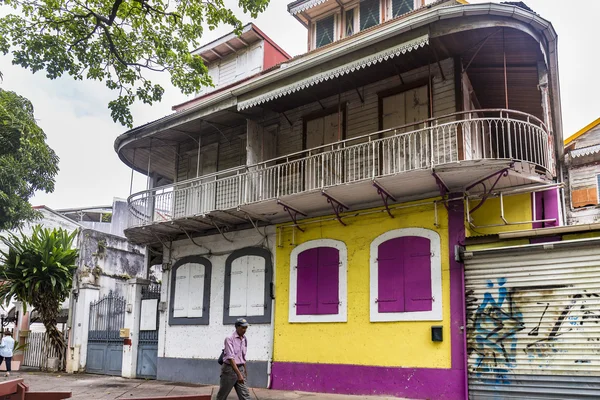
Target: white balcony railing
pixel 482 134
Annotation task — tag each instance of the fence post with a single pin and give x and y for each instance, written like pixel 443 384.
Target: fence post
pixel 132 321
pixel 77 353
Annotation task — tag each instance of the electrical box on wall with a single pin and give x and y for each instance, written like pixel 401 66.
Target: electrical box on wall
pixel 437 334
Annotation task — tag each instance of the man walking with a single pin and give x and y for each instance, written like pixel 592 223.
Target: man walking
pixel 234 361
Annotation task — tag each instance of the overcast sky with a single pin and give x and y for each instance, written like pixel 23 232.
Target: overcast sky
pixel 76 119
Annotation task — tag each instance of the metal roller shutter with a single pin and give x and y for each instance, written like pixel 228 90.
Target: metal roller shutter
pixel 533 315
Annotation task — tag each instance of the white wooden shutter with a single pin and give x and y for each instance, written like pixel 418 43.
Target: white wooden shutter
pixel 239 287
pixel 256 285
pixel 195 294
pixel 180 300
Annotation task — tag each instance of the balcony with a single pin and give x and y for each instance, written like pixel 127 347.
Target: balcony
pixel 408 162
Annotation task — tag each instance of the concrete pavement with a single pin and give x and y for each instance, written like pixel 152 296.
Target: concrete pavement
pixel 85 386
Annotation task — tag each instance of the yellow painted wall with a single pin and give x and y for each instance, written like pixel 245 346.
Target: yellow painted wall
pixel 360 341
pixel 517 208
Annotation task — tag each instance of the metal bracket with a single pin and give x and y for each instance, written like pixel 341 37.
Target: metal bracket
pixel 385 196
pixel 338 206
pixel 293 213
pixel 222 232
pixel 486 193
pixel 444 190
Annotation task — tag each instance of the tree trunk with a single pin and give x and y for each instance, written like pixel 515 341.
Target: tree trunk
pixel 48 310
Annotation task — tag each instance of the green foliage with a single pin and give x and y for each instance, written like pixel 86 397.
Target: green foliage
pixel 38 270
pixel 27 164
pixel 117 42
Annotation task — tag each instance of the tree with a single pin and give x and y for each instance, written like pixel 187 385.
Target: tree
pixel 27 164
pixel 38 270
pixel 118 42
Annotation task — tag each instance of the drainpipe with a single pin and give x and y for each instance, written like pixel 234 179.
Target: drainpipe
pixel 270 362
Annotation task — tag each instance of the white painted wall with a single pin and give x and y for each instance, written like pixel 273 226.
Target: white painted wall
pixel 206 341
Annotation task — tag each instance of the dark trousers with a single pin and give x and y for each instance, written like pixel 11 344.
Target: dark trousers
pixel 8 359
pixel 229 381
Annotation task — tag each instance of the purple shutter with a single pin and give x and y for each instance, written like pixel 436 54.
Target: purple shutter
pixel 390 274
pixel 329 280
pixel 417 275
pixel 306 290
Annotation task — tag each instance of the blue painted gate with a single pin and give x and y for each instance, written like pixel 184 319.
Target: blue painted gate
pixel 148 338
pixel 105 346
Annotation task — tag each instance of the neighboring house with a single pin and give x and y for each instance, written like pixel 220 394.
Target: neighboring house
pixel 582 175
pixel 327 197
pixel 107 260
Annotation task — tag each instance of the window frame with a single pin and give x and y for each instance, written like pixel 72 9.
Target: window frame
pixel 336 21
pixel 268 295
pixel 357 16
pixel 205 318
pixel 598 189
pixel 389 9
pixel 342 315
pixel 436 313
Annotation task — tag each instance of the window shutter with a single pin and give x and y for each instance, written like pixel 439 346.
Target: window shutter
pixel 255 300
pixel 325 29
pixel 307 281
pixel 180 301
pixel 390 275
pixel 195 292
pixel 400 7
pixel 238 287
pixel 417 275
pixel 369 13
pixel 328 280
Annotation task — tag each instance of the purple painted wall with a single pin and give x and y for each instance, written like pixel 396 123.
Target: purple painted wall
pixel 456 237
pixel 546 207
pixel 415 383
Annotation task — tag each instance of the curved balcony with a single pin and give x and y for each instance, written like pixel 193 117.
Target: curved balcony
pixel 459 149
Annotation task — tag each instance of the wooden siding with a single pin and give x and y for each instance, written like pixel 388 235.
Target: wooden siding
pixel 579 180
pixel 364 118
pixel 590 138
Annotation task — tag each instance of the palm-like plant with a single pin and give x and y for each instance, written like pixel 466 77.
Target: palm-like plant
pixel 38 270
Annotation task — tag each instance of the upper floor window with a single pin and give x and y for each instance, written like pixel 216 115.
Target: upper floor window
pixel 325 31
pixel 318 282
pixel 399 7
pixel 190 291
pixel 406 276
pixel 370 13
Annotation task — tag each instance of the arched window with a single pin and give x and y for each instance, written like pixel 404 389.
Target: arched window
pixel 248 278
pixel 190 291
pixel 406 276
pixel 318 282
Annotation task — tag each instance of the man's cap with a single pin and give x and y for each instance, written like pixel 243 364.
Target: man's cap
pixel 241 322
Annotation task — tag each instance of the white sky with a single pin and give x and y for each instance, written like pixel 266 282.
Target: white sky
pixel 76 119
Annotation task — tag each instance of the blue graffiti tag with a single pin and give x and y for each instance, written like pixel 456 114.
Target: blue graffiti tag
pixel 496 323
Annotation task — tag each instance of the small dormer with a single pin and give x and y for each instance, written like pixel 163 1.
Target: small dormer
pixel 233 58
pixel 330 20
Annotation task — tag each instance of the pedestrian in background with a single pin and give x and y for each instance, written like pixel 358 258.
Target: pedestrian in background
pixel 6 350
pixel 234 361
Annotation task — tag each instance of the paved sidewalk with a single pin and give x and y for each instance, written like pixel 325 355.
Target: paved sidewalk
pixel 86 386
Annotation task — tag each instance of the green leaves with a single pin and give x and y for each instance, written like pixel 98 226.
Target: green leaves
pixel 118 42
pixel 38 270
pixel 27 164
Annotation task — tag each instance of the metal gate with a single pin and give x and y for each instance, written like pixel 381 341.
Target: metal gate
pixel 148 337
pixel 105 347
pixel 533 321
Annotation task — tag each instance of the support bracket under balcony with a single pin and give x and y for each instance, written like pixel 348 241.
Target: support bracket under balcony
pixel 338 206
pixel 293 213
pixel 486 193
pixel 221 230
pixel 385 197
pixel 444 190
